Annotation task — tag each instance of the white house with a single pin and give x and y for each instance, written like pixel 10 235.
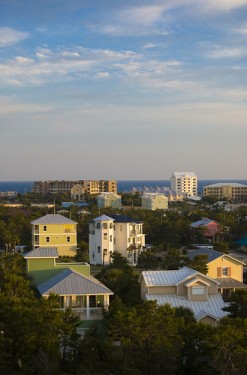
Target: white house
pixel 116 233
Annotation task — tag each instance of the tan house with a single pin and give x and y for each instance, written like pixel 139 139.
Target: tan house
pixel 185 288
pixel 227 190
pixel 225 269
pixel 77 192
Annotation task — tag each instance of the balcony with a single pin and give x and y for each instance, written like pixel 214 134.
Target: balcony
pixel 87 314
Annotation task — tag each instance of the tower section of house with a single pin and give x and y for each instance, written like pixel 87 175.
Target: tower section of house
pixel 184 182
pixel 227 190
pixel 101 240
pixel 55 230
pixel 115 233
pixel 154 201
pixel 109 200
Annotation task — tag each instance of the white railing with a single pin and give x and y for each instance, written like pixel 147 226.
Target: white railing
pixel 88 314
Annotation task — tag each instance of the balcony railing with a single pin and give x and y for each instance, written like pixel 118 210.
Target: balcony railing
pixel 87 314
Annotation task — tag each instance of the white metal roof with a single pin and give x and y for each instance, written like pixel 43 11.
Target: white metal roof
pixel 52 219
pixel 42 252
pixel 170 277
pixel 69 282
pixel 212 307
pixel 103 218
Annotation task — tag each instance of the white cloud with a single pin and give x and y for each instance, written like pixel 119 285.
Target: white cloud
pixel 103 75
pixel 221 52
pixel 11 36
pixel 224 5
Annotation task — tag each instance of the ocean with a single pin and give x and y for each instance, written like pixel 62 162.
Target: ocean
pixel 23 187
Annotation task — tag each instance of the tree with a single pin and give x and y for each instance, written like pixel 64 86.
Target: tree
pixel 237 304
pixel 199 263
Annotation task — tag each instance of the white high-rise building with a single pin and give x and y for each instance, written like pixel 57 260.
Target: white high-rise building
pixel 184 183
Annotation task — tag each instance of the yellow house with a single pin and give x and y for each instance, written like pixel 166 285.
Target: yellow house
pixel 55 230
pixel 227 270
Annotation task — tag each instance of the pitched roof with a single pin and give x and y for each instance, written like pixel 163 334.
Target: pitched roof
pixel 169 278
pixel 52 219
pixel 117 218
pixel 69 282
pixel 124 219
pixel 228 282
pixel 211 307
pixel 202 223
pixel 103 218
pixel 211 254
pixel 42 252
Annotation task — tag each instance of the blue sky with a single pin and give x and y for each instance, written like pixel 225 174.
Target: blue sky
pixel 130 89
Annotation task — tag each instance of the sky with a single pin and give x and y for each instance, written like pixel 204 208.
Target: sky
pixel 133 89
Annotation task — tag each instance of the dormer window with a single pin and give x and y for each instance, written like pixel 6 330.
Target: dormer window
pixel 198 290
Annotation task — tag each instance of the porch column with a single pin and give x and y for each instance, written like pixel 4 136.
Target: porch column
pixel 87 307
pixel 106 301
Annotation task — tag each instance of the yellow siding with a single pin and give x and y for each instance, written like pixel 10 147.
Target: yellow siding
pixel 58 235
pixel 224 262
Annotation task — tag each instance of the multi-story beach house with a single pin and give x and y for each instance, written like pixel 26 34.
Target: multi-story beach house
pixel 109 200
pixel 120 233
pixel 55 230
pixel 154 201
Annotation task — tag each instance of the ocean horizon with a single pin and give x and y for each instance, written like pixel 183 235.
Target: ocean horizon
pixel 23 187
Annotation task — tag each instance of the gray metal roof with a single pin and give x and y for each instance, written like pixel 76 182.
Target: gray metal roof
pixel 212 307
pixel 69 282
pixel 42 252
pixel 202 223
pixel 52 219
pixel 173 277
pixel 103 218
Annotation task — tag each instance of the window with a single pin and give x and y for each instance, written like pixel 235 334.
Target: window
pixel 98 225
pixel 98 249
pixel 45 228
pixel 47 239
pixel 110 238
pixel 121 228
pixel 105 225
pixel 68 239
pixel 198 290
pixel 224 271
pixel 105 236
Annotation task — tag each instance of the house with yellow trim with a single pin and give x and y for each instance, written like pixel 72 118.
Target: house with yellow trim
pixel 54 230
pixel 227 270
